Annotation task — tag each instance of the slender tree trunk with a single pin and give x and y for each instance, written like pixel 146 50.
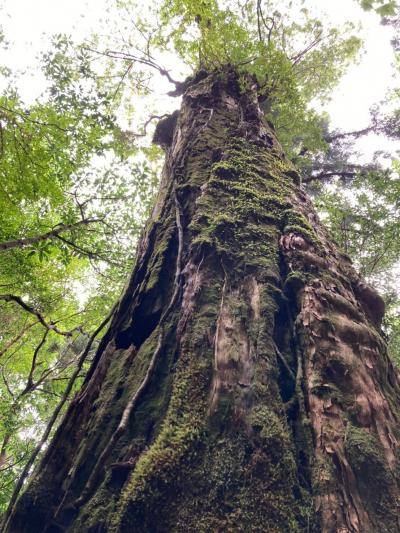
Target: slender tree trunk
pixel 244 384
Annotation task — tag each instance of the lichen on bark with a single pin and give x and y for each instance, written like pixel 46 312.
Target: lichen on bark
pixel 270 405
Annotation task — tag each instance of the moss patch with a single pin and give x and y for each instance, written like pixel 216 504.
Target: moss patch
pixel 376 482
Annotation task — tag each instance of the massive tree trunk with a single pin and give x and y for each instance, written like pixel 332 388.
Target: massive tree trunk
pixel 244 383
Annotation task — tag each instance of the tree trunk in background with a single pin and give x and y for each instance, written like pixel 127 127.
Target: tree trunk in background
pixel 244 384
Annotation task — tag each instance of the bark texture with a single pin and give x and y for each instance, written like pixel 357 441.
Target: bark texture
pixel 244 384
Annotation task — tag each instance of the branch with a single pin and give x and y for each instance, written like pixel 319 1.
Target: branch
pixel 357 133
pixel 121 81
pixel 50 424
pixel 50 327
pixel 349 171
pixel 297 58
pixel 322 176
pixel 285 363
pixel 259 20
pixel 89 253
pixel 150 119
pixel 260 17
pixel 134 59
pixel 10 392
pixel 17 338
pixel 29 382
pixel 1 140
pixel 28 241
pixel 25 116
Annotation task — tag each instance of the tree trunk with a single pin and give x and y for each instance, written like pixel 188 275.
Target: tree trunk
pixel 244 384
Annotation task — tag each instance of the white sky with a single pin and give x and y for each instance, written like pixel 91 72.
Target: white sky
pixel 28 24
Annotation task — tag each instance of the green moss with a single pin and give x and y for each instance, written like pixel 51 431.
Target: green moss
pixel 245 206
pixel 160 252
pixel 206 473
pixel 294 282
pixel 239 212
pixel 160 465
pixel 183 426
pixel 338 303
pixel 268 426
pixel 324 475
pixel 375 481
pixel 296 222
pixel 294 218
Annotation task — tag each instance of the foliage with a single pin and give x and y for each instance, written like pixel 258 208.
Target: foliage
pixel 296 59
pixel 383 7
pixel 64 163
pixel 364 218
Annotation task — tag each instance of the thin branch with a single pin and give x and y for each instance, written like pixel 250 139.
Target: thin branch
pixel 25 116
pixel 3 450
pixel 1 140
pixel 11 465
pixel 330 174
pixel 259 20
pixel 129 57
pixel 17 337
pixel 297 58
pixel 89 253
pixel 10 392
pixel 285 363
pixel 29 382
pixel 18 300
pixel 357 133
pixel 270 29
pixel 55 232
pixel 121 81
pixel 50 424
pixel 150 119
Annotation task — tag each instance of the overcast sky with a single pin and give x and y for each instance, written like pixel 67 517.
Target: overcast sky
pixel 28 24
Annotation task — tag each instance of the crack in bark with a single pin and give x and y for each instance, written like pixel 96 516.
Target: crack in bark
pixel 90 484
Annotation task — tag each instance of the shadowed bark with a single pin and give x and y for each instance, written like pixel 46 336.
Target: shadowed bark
pixel 244 384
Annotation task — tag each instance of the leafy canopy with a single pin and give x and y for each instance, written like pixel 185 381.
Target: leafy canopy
pixel 297 59
pixel 73 198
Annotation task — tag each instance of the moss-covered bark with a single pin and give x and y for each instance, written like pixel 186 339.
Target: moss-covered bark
pixel 244 384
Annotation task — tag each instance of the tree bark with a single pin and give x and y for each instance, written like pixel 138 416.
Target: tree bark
pixel 244 384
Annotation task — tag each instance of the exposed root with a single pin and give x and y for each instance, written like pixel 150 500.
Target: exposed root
pixel 90 484
pixel 285 363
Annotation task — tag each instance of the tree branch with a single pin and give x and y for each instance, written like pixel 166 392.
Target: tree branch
pixel 25 116
pixel 357 133
pixel 150 119
pixel 326 175
pixel 52 420
pixel 28 241
pixel 89 253
pixel 17 337
pixel 298 57
pixel 51 327
pixel 29 382
pixel 134 59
